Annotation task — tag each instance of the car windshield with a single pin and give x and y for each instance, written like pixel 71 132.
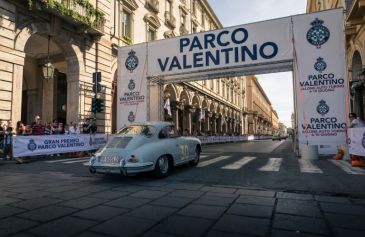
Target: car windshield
pixel 137 130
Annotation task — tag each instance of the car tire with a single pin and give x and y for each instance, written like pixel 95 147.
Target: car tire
pixel 196 157
pixel 162 167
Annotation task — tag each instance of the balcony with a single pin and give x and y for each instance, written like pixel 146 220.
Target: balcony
pixel 183 30
pixel 153 5
pixel 75 12
pixel 170 20
pixel 355 12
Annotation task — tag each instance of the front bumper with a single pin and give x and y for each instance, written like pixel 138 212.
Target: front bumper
pixel 126 169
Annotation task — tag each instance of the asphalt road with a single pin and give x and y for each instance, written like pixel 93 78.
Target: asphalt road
pixel 238 189
pixel 258 164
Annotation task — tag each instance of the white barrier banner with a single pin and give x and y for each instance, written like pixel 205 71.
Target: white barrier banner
pixel 55 144
pixel 320 75
pixel 356 141
pixel 132 85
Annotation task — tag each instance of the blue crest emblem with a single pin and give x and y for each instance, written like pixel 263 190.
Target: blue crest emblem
pixel 131 85
pixel 31 145
pixel 363 141
pixel 320 65
pixel 131 117
pixel 318 34
pixel 131 62
pixel 323 108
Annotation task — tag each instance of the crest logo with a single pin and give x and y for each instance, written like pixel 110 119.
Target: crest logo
pixel 318 34
pixel 131 117
pixel 131 85
pixel 320 65
pixel 131 62
pixel 323 108
pixel 31 145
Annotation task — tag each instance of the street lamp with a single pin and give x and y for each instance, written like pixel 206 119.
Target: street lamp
pixel 47 68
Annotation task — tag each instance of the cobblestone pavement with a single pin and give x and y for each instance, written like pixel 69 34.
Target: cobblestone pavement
pixel 61 204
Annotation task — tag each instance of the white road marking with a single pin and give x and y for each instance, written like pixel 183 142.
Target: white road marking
pixel 76 161
pixel 209 162
pixel 307 166
pixel 272 165
pixel 204 156
pixel 85 164
pixel 346 166
pixel 62 160
pixel 238 164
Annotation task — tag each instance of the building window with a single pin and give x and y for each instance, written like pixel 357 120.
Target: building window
pixel 203 19
pixel 151 34
pixel 125 30
pixel 152 24
pixel 195 28
pixel 194 7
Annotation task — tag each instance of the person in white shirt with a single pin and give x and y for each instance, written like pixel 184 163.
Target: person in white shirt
pixel 74 129
pixel 355 122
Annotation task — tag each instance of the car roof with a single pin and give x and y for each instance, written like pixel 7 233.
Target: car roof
pixel 157 124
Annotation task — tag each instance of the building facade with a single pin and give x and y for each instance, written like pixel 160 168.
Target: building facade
pixel 354 12
pixel 52 48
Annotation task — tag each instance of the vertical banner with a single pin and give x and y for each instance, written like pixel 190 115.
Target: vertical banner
pixel 320 77
pixel 132 85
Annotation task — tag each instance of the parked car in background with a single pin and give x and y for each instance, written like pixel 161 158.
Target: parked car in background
pixel 151 146
pixel 276 137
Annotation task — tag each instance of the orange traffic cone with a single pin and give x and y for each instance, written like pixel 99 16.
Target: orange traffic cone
pixel 339 155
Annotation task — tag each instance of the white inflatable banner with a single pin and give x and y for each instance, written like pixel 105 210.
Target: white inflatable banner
pixel 357 141
pixel 251 44
pixel 320 75
pixel 55 144
pixel 132 85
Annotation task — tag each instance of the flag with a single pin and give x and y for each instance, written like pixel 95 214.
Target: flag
pixel 202 115
pixel 167 106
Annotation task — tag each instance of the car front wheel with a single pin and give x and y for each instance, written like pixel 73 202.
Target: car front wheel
pixel 162 167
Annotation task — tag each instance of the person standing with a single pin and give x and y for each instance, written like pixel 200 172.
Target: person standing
pixel 356 122
pixel 86 127
pixel 74 129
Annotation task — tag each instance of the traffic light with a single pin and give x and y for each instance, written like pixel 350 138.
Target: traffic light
pixel 101 105
pixel 96 81
pixel 94 105
pixel 97 105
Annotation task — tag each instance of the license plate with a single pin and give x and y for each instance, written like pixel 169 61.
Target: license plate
pixel 109 160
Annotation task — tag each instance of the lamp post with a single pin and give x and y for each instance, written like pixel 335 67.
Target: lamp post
pixel 47 68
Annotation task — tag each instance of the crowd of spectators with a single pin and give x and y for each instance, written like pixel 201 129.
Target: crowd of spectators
pixel 56 127
pixel 48 128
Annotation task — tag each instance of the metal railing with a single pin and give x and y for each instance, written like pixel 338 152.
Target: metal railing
pixel 82 13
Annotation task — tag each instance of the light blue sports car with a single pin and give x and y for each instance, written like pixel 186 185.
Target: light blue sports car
pixel 151 146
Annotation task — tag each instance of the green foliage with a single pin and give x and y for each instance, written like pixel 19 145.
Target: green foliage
pixel 91 17
pixel 127 39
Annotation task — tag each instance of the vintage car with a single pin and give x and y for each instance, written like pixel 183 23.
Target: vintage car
pixel 150 146
pixel 276 137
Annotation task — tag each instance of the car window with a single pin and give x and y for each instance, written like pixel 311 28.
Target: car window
pixel 168 132
pixel 118 142
pixel 146 130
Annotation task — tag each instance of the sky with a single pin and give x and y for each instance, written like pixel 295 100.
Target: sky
pixel 278 86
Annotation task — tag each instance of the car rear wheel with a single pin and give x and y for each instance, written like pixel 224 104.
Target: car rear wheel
pixel 162 167
pixel 196 157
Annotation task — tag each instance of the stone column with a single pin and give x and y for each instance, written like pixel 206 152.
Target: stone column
pixel 17 93
pixel 73 90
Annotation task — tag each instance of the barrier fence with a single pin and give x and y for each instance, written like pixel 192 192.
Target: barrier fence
pixel 27 146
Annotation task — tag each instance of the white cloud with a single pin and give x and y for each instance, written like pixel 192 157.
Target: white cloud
pixel 277 86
